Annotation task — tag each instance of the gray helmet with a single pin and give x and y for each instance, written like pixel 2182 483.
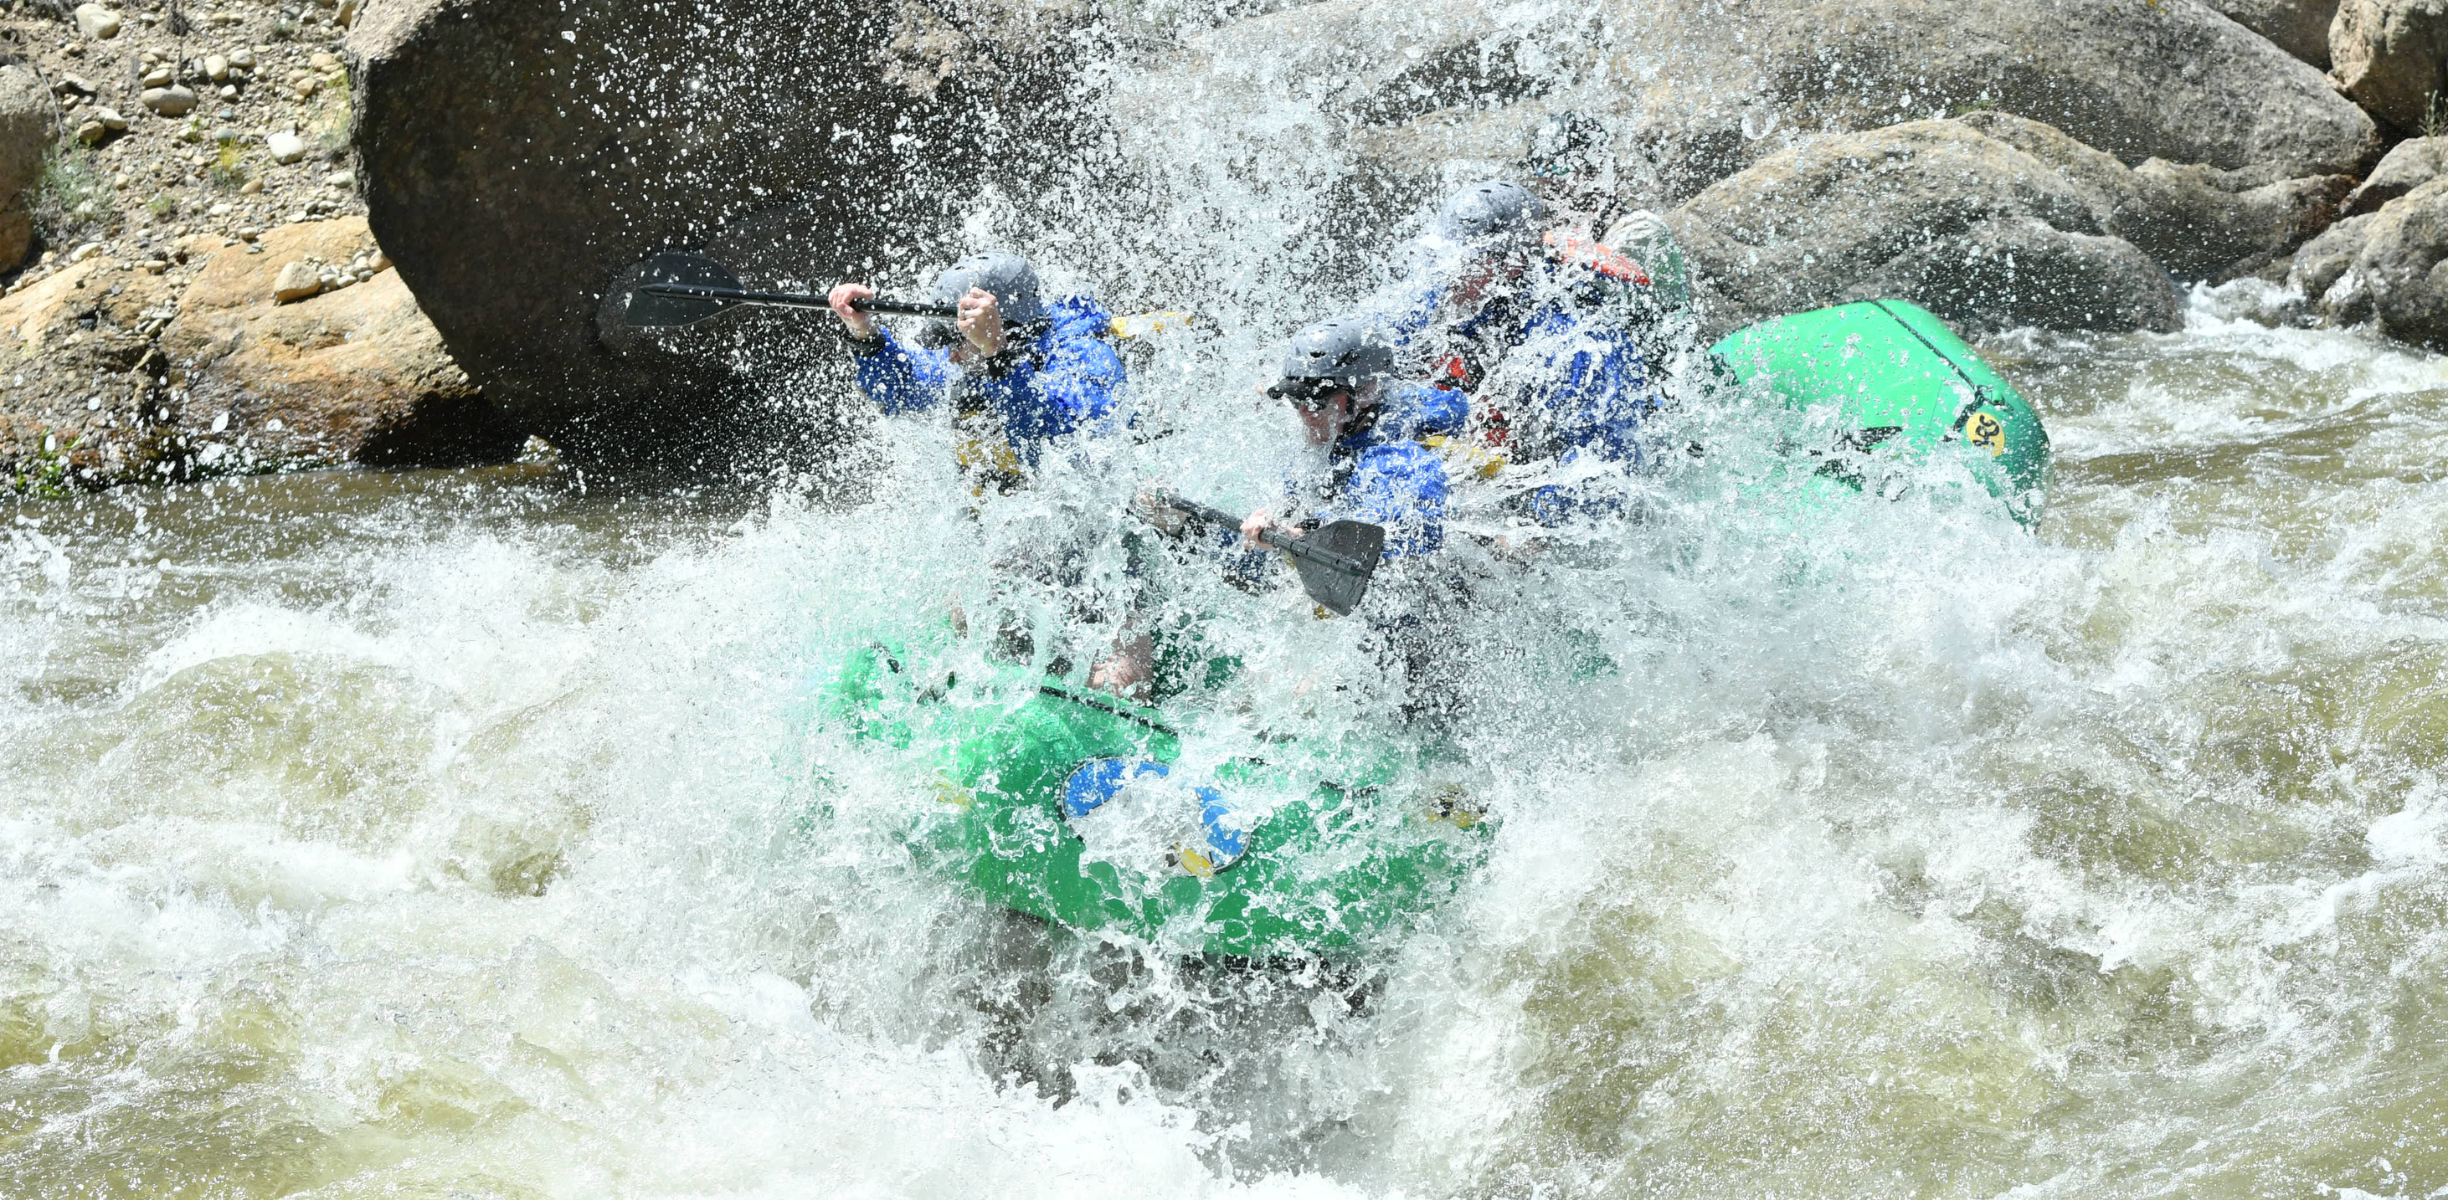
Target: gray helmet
pixel 1491 215
pixel 1341 351
pixel 1008 277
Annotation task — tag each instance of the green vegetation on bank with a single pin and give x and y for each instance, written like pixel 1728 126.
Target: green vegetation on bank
pixel 71 196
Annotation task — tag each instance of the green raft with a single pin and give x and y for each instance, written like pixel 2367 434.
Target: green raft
pixel 1904 390
pixel 1297 849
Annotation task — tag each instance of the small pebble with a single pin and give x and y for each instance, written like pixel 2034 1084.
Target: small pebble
pixel 171 101
pixel 296 281
pixel 96 23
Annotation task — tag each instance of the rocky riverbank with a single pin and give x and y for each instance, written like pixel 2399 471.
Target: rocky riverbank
pixel 2075 164
pixel 186 282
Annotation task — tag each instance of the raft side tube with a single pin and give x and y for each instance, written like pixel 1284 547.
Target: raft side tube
pixel 1905 387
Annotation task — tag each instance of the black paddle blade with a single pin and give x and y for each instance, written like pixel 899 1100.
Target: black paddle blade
pixel 1337 590
pixel 650 311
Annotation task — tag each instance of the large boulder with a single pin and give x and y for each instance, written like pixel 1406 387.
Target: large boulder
pixel 2401 256
pixel 2196 221
pixel 346 374
pixel 120 371
pixel 2387 55
pixel 1936 212
pixel 2170 80
pixel 2299 27
pixel 2409 165
pixel 27 126
pixel 2320 266
pixel 2394 276
pixel 1706 89
pixel 520 159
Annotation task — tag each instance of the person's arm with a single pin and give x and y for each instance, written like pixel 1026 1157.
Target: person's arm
pixel 844 298
pixel 900 377
pixel 1598 390
pixel 897 376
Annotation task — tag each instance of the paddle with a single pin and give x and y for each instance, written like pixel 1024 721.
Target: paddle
pixel 675 289
pixel 683 289
pixel 1335 560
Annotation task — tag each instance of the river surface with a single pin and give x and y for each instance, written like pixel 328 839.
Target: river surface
pixel 463 834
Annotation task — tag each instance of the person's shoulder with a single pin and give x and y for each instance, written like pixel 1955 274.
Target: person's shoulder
pixel 1078 314
pixel 1399 456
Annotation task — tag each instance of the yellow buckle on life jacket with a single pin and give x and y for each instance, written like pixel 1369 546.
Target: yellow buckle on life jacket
pixel 1451 803
pixel 1194 862
pixel 991 462
pixel 1467 458
pixel 1143 324
pixel 952 793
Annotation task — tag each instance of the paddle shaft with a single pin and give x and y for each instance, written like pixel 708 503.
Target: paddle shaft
pixel 1268 537
pixel 690 291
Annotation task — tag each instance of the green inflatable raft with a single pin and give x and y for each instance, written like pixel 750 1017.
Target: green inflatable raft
pixel 1103 815
pixel 1901 389
pixel 1280 847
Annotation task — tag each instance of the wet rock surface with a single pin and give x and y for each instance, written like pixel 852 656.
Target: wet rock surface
pixel 2324 261
pixel 2383 268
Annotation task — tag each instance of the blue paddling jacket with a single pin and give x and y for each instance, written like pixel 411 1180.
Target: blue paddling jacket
pixel 1576 383
pixel 1381 476
pixel 1054 379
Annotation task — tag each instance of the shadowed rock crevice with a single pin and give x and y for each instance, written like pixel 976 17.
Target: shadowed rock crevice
pixel 2299 27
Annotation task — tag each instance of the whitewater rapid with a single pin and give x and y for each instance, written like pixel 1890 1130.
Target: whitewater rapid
pixel 464 834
